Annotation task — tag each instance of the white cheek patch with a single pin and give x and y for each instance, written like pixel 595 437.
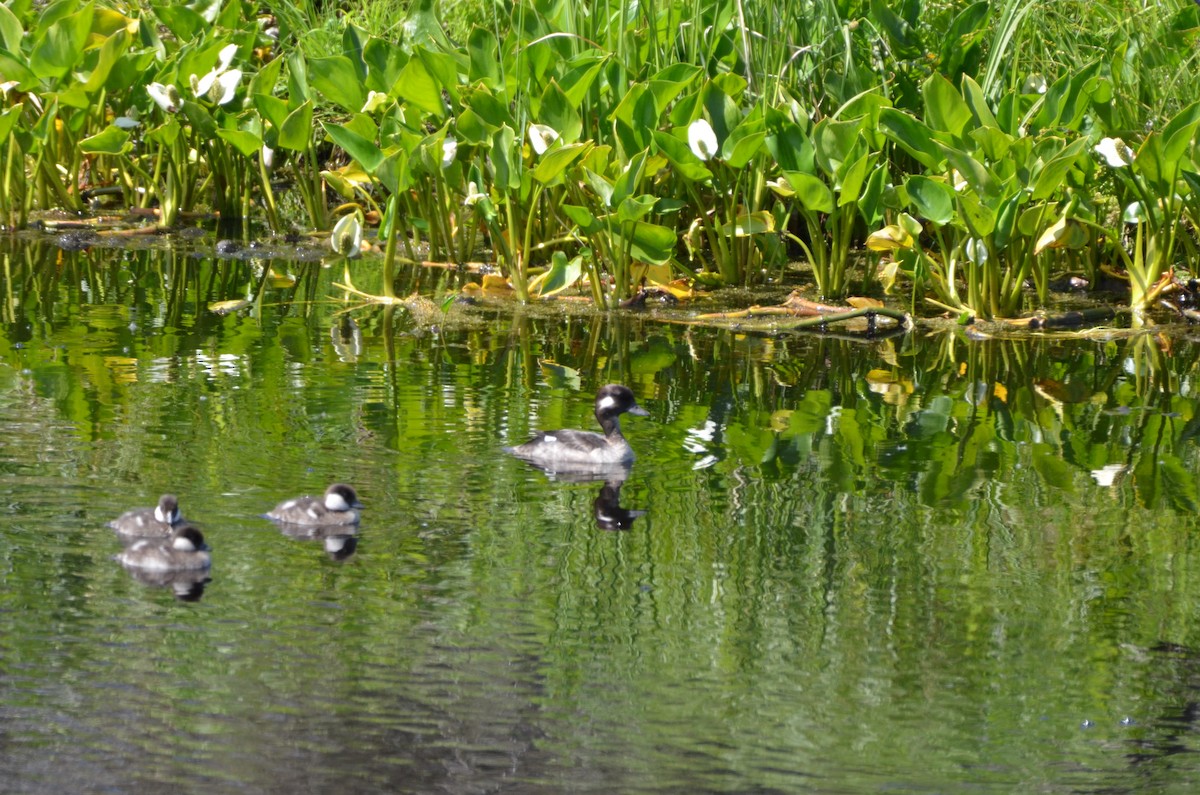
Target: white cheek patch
pixel 183 544
pixel 606 402
pixel 336 502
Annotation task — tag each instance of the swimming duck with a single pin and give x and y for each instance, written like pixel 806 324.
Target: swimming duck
pixel 183 549
pixel 337 507
pixel 586 448
pixel 157 522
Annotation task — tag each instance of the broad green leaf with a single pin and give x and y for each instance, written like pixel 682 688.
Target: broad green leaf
pixel 904 40
pixel 112 49
pixel 14 69
pixel 551 165
pixel 11 31
pixel 244 141
pixel 913 137
pixel 870 203
pixel 384 62
pixel 110 141
pixel 184 23
pixel 836 143
pixel 791 148
pixel 682 160
pixel 263 82
pixel 635 208
pixel 627 183
pixel 981 220
pixel 852 179
pixel 363 151
pixel 336 78
pixel 557 112
pixel 61 47
pixel 600 186
pixel 1054 173
pixel 743 145
pixel 673 81
pixel 273 109
pixel 812 192
pixel 982 181
pixel 944 107
pixel 976 101
pixel 8 120
pixel 649 242
pixel 296 131
pixel 582 217
pixel 419 88
pixel 932 199
pixel 484 66
pixel 580 76
pixel 506 159
pixel 635 117
pixel 394 172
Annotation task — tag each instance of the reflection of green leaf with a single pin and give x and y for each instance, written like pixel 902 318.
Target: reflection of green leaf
pixel 657 354
pixel 1054 471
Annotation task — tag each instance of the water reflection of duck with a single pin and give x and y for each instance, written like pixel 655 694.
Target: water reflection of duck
pixel 186 584
pixel 340 541
pixel 572 448
pixel 335 508
pixel 607 508
pixel 157 522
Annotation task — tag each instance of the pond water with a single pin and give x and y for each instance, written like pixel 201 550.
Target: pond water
pixel 925 564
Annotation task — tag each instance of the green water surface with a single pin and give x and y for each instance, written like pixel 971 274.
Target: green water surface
pixel 925 565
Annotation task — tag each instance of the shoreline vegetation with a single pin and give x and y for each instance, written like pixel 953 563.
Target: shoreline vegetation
pixel 961 158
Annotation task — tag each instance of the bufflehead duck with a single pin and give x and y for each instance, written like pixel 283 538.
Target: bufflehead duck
pixel 157 522
pixel 574 448
pixel 335 508
pixel 184 549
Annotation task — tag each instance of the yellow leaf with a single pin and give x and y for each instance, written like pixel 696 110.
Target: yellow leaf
pixel 225 307
pixel 890 238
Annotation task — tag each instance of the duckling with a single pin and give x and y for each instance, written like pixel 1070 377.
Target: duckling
pixel 337 507
pixel 184 549
pixel 157 522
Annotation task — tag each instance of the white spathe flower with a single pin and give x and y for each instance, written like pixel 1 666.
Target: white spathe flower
pixel 225 57
pixel 268 157
pixel 126 123
pixel 1107 475
pixel 701 139
pixel 1115 152
pixel 202 86
pixel 976 251
pixel 347 236
pixel 473 196
pixel 166 97
pixel 449 150
pixel 228 83
pixel 541 137
pixel 374 100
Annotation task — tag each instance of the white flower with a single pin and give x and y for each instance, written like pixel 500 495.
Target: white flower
pixel 268 157
pixel 225 57
pixel 473 196
pixel 541 136
pixel 125 123
pixel 1115 152
pixel 202 86
pixel 449 150
pixel 976 251
pixel 702 139
pixel 1108 474
pixel 347 236
pixel 228 83
pixel 166 97
pixel 374 100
